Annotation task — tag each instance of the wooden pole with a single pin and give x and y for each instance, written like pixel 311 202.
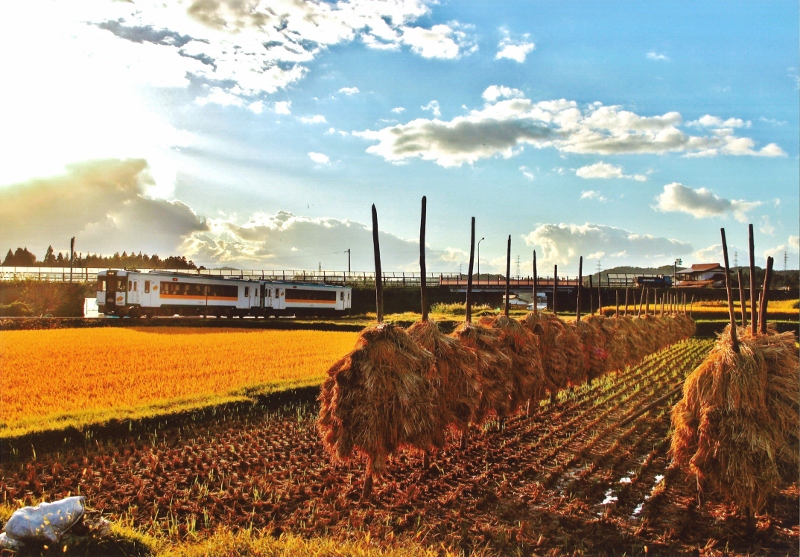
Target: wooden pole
pixel 731 313
pixel 378 273
pixel 646 301
pixel 469 277
pixel 508 275
pixel 422 270
pixel 753 319
pixel 535 277
pixel 662 303
pixel 555 289
pixel 616 313
pixel 599 295
pixel 762 313
pixel 626 300
pixel 591 293
pixel 691 307
pixel 580 287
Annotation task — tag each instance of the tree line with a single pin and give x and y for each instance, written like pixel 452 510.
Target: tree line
pixel 21 257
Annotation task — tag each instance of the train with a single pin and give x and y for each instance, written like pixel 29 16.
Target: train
pixel 130 293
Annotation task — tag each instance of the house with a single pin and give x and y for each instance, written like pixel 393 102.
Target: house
pixel 701 274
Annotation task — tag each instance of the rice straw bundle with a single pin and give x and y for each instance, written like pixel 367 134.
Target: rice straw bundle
pixel 616 350
pixel 687 325
pixel 547 328
pixel 572 348
pixel 593 341
pixel 649 338
pixel 378 398
pixel 522 347
pixel 454 378
pixel 628 338
pixel 494 369
pixel 736 429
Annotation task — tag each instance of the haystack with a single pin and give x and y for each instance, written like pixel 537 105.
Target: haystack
pixel 454 375
pixel 593 340
pixel 616 349
pixel 546 327
pixel 494 369
pixel 736 429
pixel 378 398
pixel 687 325
pixel 629 335
pixel 522 347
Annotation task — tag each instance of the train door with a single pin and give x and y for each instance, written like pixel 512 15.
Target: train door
pixel 279 299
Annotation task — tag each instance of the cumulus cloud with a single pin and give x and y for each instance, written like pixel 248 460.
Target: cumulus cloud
pixel 563 244
pixel 316 119
pixel 526 172
pixel 794 241
pixel 261 46
pixel 605 170
pixel 711 254
pixel 433 106
pixel 766 226
pixel 102 203
pixel 319 158
pixel 283 107
pixel 494 92
pixel 709 121
pixel 286 241
pixel 398 110
pixel 591 194
pixel 514 49
pixel 652 55
pixel 505 125
pixel 349 90
pixel 701 203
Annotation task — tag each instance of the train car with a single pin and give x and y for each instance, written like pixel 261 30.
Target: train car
pixel 157 293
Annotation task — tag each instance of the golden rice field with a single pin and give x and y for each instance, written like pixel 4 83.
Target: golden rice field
pixel 53 378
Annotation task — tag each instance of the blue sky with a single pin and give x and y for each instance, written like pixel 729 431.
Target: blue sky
pixel 258 134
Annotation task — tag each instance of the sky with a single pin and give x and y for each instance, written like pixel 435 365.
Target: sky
pixel 258 134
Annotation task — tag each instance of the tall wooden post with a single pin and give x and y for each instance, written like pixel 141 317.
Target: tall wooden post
pixel 599 295
pixel 378 273
pixel 71 256
pixel 753 320
pixel 731 313
pixel 762 313
pixel 469 277
pixel 591 293
pixel 742 299
pixel 616 313
pixel 626 299
pixel 508 276
pixel 555 290
pixel 580 287
pixel 423 286
pixel 646 301
pixel 691 307
pixel 535 278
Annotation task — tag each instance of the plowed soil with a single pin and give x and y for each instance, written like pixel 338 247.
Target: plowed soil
pixel 564 478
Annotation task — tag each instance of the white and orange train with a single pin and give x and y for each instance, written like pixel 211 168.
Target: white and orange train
pixel 157 293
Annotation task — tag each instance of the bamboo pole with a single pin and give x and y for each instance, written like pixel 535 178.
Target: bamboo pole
pixel 469 277
pixel 378 273
pixel 535 293
pixel 762 313
pixel 555 289
pixel 508 275
pixel 742 299
pixel 753 320
pixel 732 314
pixel 580 287
pixel 422 270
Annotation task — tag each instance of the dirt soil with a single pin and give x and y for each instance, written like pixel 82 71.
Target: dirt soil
pixel 563 479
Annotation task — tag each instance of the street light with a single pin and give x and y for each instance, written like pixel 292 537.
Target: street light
pixel 479 257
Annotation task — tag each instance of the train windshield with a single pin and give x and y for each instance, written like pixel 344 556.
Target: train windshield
pixel 101 284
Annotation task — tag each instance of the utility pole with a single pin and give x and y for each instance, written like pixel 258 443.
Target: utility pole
pixel 735 259
pixel 479 257
pixel 347 251
pixel 71 256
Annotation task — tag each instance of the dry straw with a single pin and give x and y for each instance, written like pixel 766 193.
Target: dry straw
pixel 593 340
pixel 494 369
pixel 378 398
pixel 522 347
pixel 736 428
pixel 454 375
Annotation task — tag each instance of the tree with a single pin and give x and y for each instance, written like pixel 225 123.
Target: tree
pixel 9 260
pixel 24 258
pixel 49 257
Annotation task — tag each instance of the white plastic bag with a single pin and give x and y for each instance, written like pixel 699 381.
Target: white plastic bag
pixel 47 522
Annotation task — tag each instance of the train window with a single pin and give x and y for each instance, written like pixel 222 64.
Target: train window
pixel 130 285
pixel 146 286
pixel 135 284
pixel 341 295
pixel 101 285
pixel 298 294
pixel 246 291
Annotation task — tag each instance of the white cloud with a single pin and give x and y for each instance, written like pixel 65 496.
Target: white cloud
pixel 256 107
pixel 433 106
pixel 711 254
pixel 794 241
pixel 398 110
pixel 766 226
pixel 504 127
pixel 494 92
pixel 652 55
pixel 591 194
pixel 349 90
pixel 440 41
pixel 701 203
pixel 316 119
pixel 108 209
pixel 512 49
pixel 563 244
pixel 709 121
pixel 527 172
pixel 319 158
pixel 283 107
pixel 605 170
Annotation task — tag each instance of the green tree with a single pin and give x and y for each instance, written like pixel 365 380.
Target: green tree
pixel 49 257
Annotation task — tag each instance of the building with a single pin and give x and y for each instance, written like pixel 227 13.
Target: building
pixel 701 274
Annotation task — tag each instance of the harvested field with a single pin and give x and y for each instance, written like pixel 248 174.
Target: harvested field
pixel 565 479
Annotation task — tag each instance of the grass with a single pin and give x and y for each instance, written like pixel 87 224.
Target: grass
pixel 53 379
